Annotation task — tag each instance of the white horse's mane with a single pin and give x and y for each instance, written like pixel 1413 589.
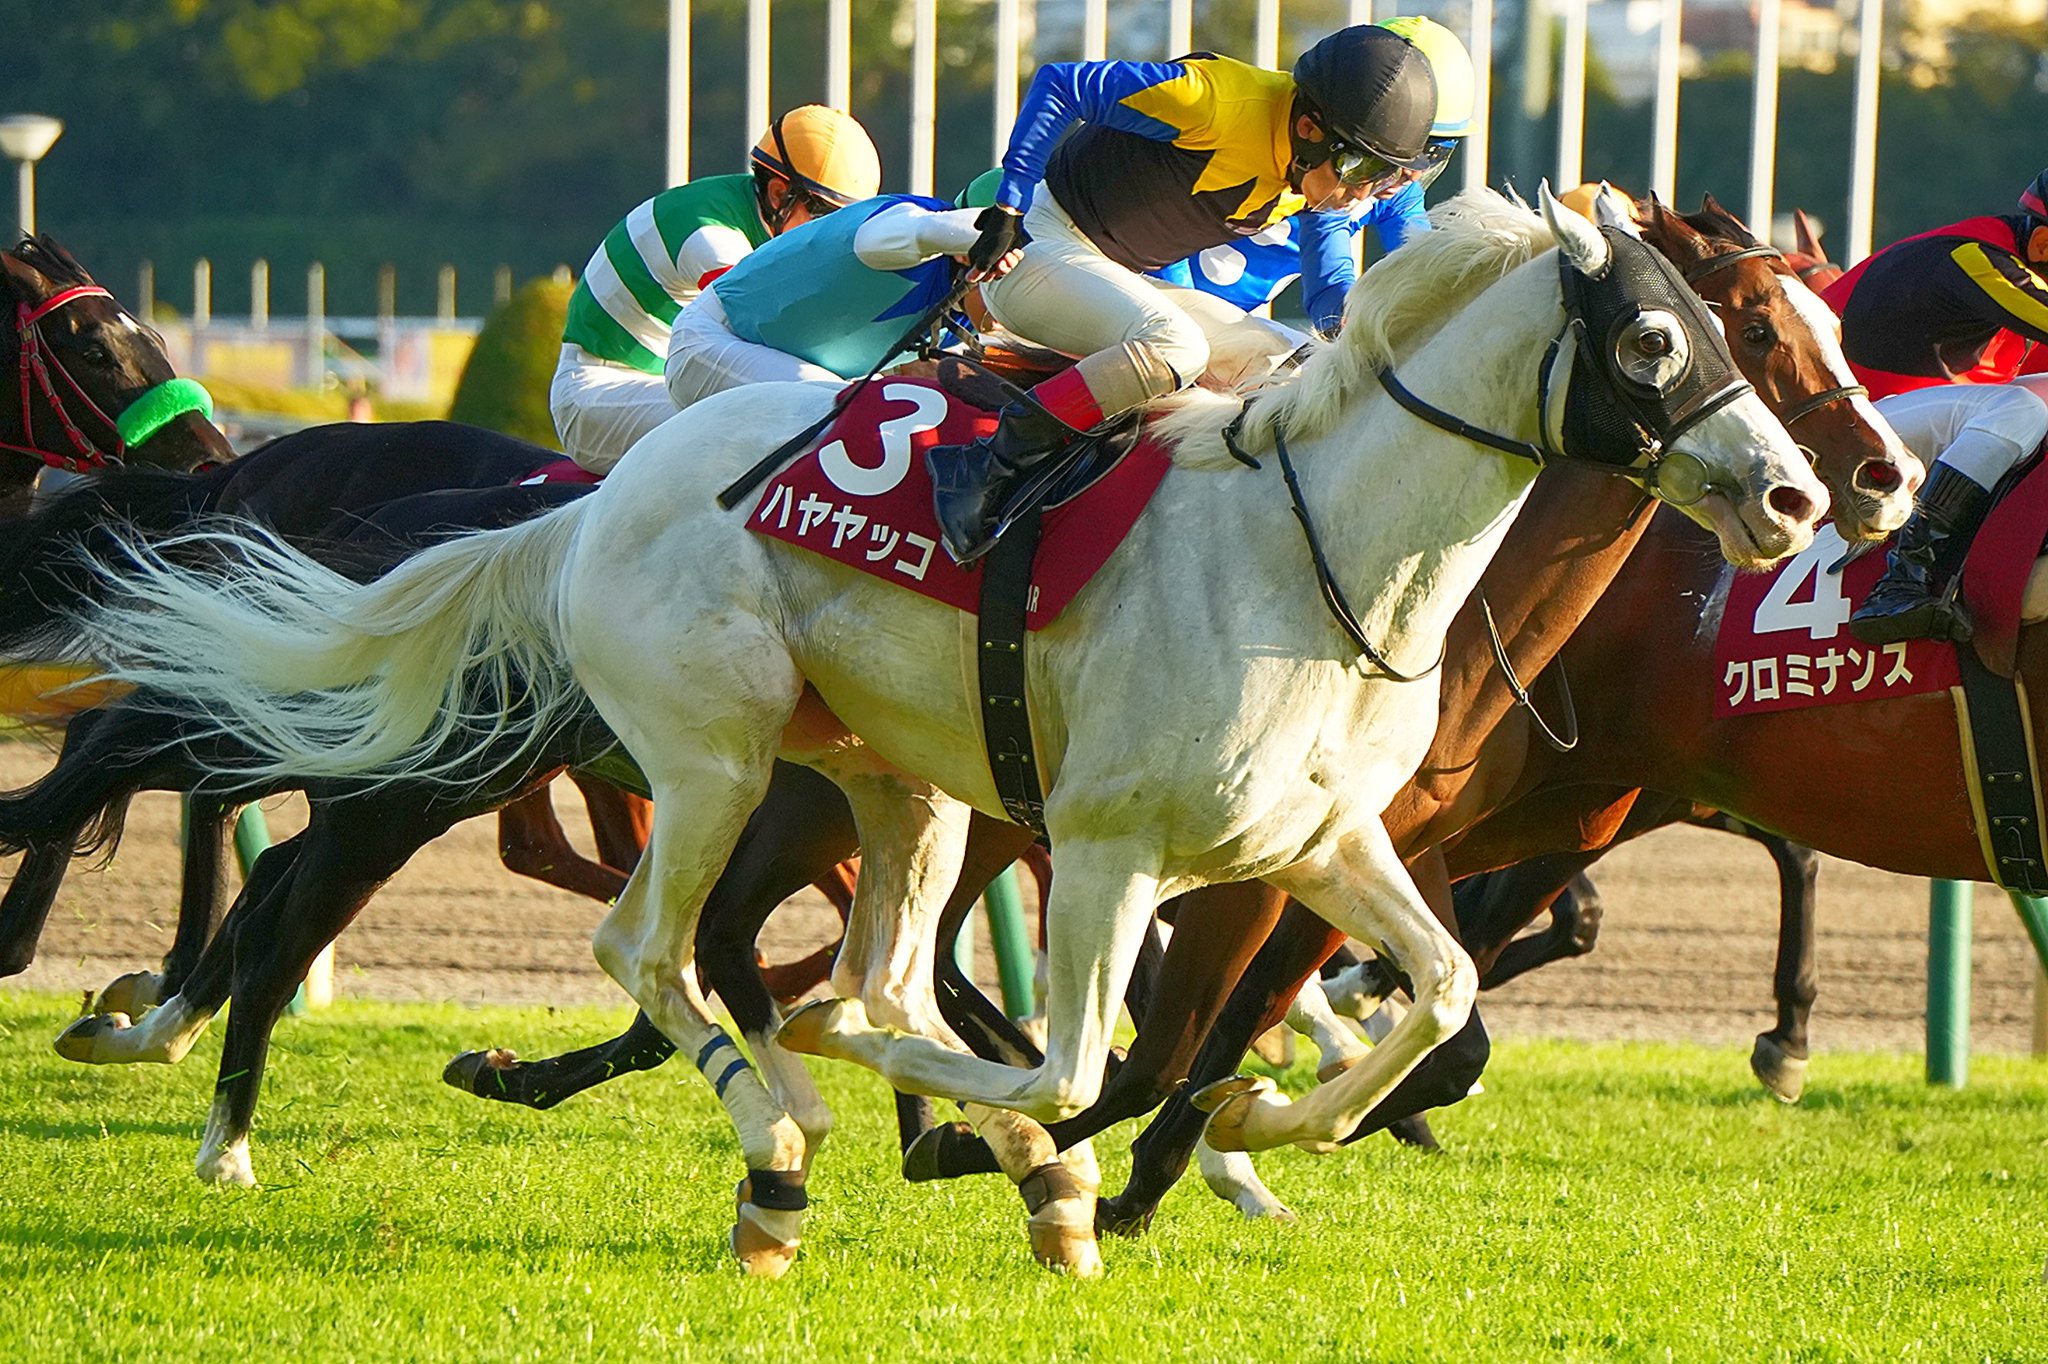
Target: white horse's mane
pixel 1478 238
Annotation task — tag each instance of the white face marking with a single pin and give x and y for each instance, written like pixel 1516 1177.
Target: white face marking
pixel 1827 330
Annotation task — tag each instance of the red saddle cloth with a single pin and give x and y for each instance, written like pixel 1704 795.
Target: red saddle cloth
pixel 1784 641
pixel 863 498
pixel 561 471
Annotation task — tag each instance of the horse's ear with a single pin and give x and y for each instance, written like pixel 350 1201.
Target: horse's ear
pixel 1611 209
pixel 24 281
pixel 1807 237
pixel 1580 241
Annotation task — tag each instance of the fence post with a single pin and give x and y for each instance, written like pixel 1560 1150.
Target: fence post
pixel 445 303
pixel 145 292
pixel 501 286
pixel 1012 943
pixel 202 294
pixel 259 295
pixel 316 325
pixel 2033 913
pixel 1948 983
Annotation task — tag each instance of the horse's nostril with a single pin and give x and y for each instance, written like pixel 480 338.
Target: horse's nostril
pixel 1788 502
pixel 1879 475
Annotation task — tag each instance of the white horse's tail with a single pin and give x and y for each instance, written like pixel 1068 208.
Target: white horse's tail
pixel 446 669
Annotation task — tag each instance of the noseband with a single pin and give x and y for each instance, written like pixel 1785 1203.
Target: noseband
pixel 39 366
pixel 1714 265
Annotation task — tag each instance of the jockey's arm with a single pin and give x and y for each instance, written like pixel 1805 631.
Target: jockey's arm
pixel 1178 100
pixel 705 356
pixel 2011 294
pixel 706 254
pixel 906 235
pixel 1328 268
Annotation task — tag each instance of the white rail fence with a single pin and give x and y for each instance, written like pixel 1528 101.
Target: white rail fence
pixel 1474 20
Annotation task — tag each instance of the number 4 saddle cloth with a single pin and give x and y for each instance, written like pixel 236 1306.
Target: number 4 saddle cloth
pixel 1784 644
pixel 863 497
pixel 1784 641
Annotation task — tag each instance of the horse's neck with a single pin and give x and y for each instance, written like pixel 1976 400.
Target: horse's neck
pixel 1570 541
pixel 1434 507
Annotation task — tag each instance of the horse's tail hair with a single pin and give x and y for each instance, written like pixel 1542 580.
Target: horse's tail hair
pixel 43 574
pixel 425 673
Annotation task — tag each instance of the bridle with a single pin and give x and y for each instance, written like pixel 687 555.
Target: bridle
pixel 1699 391
pixel 1714 265
pixel 40 369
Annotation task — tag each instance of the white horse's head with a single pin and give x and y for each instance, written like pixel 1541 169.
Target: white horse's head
pixel 1643 353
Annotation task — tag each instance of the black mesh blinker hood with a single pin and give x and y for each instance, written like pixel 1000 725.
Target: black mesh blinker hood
pixel 1608 417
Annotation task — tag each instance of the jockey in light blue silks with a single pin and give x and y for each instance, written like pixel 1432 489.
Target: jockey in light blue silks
pixel 827 301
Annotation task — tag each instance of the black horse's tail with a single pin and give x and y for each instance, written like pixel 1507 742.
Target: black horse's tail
pixel 44 550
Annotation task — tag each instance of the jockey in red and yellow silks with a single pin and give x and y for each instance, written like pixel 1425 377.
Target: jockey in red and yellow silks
pixel 1961 304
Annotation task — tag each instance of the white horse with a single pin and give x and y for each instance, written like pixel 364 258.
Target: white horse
pixel 1199 717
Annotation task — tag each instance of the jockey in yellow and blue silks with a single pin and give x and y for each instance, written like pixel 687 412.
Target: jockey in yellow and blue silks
pixel 828 300
pixel 1251 272
pixel 1170 158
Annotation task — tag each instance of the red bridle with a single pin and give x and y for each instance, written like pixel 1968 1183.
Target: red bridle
pixel 39 362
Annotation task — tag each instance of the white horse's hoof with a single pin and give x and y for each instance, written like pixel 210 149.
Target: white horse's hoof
pixel 1275 1046
pixel 764 1240
pixel 83 1040
pixel 1231 1176
pixel 805 1030
pixel 1063 1238
pixel 133 994
pixel 1229 1104
pixel 1782 1073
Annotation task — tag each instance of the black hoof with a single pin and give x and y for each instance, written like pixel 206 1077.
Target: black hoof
pixel 1114 1218
pixel 948 1151
pixel 1415 1132
pixel 482 1073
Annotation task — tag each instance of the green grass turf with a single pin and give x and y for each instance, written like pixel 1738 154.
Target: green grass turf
pixel 1630 1201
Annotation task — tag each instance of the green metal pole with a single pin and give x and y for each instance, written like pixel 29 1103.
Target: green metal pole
pixel 2034 914
pixel 963 947
pixel 252 836
pixel 1006 932
pixel 1948 984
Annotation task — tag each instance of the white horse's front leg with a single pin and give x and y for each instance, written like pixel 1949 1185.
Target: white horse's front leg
pixel 1096 920
pixel 1361 887
pixel 912 839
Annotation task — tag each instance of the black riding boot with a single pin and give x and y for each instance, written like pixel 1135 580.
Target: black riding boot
pixel 1912 600
pixel 971 483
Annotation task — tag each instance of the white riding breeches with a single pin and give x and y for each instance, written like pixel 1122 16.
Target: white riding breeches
pixel 601 409
pixel 1065 295
pixel 706 357
pixel 1982 431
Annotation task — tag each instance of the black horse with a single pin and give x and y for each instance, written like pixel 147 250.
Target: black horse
pixel 85 384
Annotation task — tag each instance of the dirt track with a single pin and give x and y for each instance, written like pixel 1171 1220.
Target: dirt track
pixel 1685 952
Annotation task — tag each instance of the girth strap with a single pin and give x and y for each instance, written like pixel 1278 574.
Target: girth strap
pixel 1005 718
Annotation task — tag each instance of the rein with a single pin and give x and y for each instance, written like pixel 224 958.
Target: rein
pixel 1333 595
pixel 1521 693
pixel 137 422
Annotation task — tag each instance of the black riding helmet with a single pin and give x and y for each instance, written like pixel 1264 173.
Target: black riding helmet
pixel 1375 96
pixel 2034 203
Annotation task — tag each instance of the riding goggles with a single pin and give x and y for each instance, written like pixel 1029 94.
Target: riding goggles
pixel 1435 156
pixel 1355 166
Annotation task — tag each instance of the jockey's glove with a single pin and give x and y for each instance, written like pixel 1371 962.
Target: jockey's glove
pixel 1002 231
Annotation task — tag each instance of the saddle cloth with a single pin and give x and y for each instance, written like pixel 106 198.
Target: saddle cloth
pixel 862 497
pixel 561 471
pixel 1784 642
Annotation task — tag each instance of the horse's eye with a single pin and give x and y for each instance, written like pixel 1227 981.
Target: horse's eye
pixel 96 353
pixel 1650 351
pixel 1756 334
